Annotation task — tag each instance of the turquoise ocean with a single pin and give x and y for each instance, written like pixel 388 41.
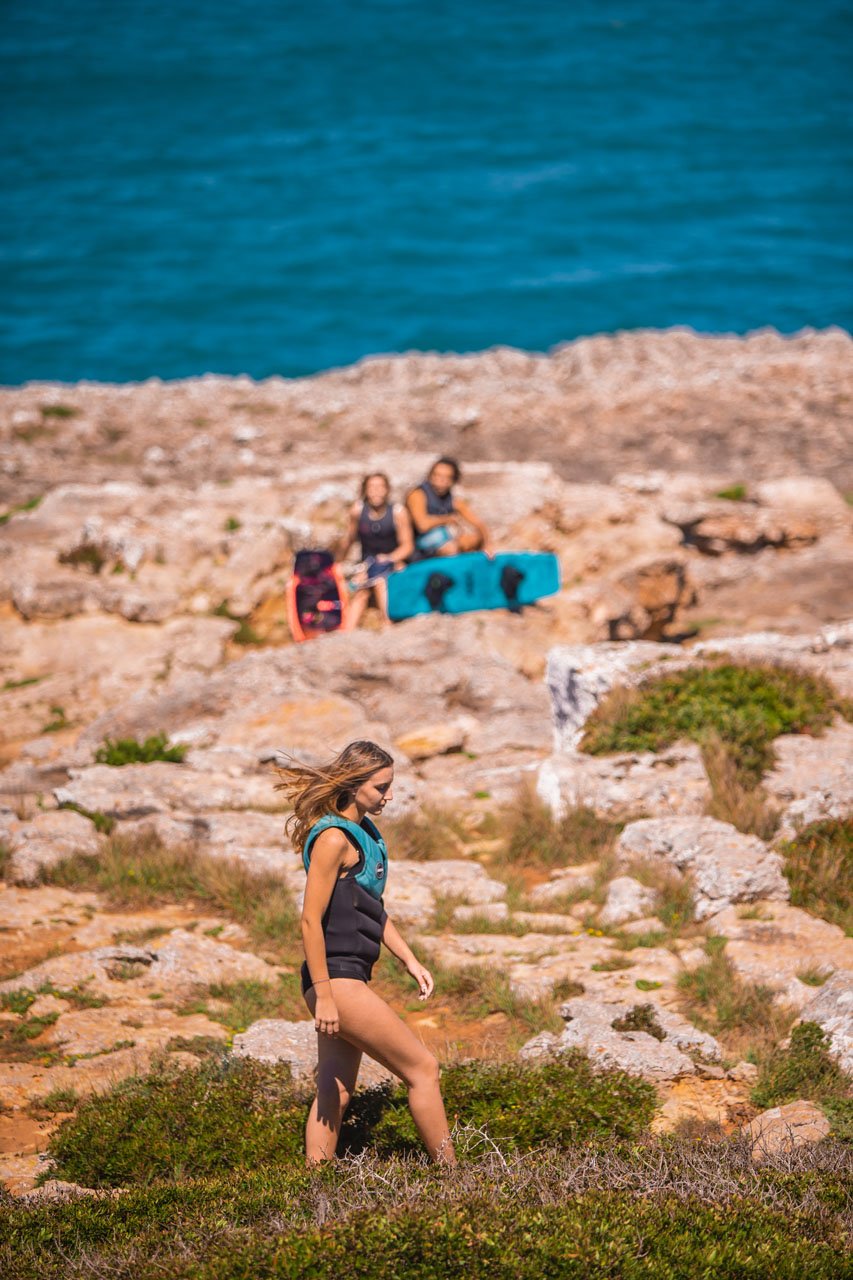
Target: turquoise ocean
pixel 275 188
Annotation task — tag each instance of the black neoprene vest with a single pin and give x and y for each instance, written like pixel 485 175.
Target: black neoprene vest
pixel 437 504
pixel 377 537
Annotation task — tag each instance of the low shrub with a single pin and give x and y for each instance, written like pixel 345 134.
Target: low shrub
pixel 124 751
pixel 805 1070
pixel 237 1113
pixel 744 804
pixel 666 1210
pixel 745 705
pixel 534 838
pixel 819 868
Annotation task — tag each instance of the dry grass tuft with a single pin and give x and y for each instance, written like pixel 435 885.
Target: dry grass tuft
pixel 745 806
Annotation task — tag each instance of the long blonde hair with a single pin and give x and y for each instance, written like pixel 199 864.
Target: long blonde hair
pixel 315 791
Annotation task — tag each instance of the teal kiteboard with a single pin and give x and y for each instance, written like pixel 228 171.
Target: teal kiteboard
pixel 458 584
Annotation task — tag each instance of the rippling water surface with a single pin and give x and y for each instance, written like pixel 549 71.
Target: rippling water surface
pixel 271 187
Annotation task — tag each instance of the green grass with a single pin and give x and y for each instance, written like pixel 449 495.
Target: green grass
pixel 745 706
pixel 140 870
pixel 806 1070
pixel 424 835
pixel 22 684
pixel 102 821
pixel 819 868
pixel 59 411
pixel 29 505
pixel 641 1018
pixel 743 1014
pixel 232 524
pixel 58 1100
pixel 6 857
pixel 534 838
pixel 734 493
pixel 58 720
pixel 124 751
pixel 248 1001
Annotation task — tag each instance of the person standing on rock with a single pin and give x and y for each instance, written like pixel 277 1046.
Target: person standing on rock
pixel 344 923
pixel 444 524
pixel 384 531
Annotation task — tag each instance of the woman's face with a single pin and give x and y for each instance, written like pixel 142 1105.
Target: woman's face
pixel 376 491
pixel 373 795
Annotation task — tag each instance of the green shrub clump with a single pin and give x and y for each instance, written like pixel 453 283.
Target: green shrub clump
pixel 123 751
pixel 746 706
pixel 806 1070
pixel 238 1113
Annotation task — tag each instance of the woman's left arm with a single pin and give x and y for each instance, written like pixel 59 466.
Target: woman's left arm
pixel 398 947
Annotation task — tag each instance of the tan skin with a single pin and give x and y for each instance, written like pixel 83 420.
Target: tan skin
pixel 469 532
pixel 350 1019
pixel 376 495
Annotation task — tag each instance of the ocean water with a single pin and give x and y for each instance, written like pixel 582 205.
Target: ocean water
pixel 271 187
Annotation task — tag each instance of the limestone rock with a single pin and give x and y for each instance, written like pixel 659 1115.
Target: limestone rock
pixel 414 886
pixel 725 865
pixel 434 739
pixel 483 911
pixel 832 1009
pixel 137 790
pixel 813 777
pixel 274 1040
pixel 626 785
pixel 627 899
pixel 565 880
pixel 774 942
pixel 578 677
pixel 94 1031
pixel 172 965
pixel 784 1128
pixel 589 1027
pixel 47 839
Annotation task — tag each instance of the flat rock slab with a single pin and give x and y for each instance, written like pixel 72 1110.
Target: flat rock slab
pixel 22 1082
pixel 536 962
pixel 94 1031
pixel 724 865
pixel 47 839
pixel 781 1129
pixel 778 942
pixel 171 966
pixel 832 1009
pixel 589 1028
pixel 694 1100
pixel 813 777
pixel 626 899
pixel 275 1040
pixel 565 880
pixel 136 790
pixel 621 786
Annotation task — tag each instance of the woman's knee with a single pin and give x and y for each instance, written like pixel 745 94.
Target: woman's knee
pixel 425 1073
pixel 330 1088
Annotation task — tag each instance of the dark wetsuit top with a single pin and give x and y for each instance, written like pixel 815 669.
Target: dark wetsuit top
pixel 352 927
pixel 437 504
pixel 378 537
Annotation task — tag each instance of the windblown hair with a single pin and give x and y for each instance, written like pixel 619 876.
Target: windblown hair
pixel 316 791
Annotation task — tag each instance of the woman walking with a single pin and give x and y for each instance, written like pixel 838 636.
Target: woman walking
pixel 384 531
pixel 344 923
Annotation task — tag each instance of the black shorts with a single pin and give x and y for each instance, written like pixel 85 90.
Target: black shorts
pixel 361 970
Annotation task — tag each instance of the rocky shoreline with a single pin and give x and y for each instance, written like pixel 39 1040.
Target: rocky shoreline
pixel 694 491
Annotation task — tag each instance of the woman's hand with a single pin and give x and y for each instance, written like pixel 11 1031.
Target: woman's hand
pixel 423 978
pixel 326 1016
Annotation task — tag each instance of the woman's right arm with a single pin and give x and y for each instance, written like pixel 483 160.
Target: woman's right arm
pixel 328 854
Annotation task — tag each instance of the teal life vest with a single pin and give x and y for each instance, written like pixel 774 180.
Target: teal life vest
pixel 373 873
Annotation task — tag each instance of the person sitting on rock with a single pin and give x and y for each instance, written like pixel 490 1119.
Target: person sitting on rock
pixel 444 524
pixel 384 532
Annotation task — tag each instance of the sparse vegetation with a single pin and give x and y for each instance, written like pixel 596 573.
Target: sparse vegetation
pixel 18 509
pixel 734 493
pixel 102 821
pixel 58 720
pixel 238 1004
pixel 806 1070
pixel 744 1015
pixel 534 838
pixel 5 860
pixel 122 751
pixel 22 684
pixel 743 804
pixel 424 835
pixel 232 524
pixel 641 1018
pixel 745 705
pixel 55 1102
pixel 819 868
pixel 59 411
pixel 140 870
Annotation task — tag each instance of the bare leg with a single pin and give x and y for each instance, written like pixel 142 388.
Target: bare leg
pixel 381 594
pixel 356 608
pixel 461 543
pixel 371 1026
pixel 337 1071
